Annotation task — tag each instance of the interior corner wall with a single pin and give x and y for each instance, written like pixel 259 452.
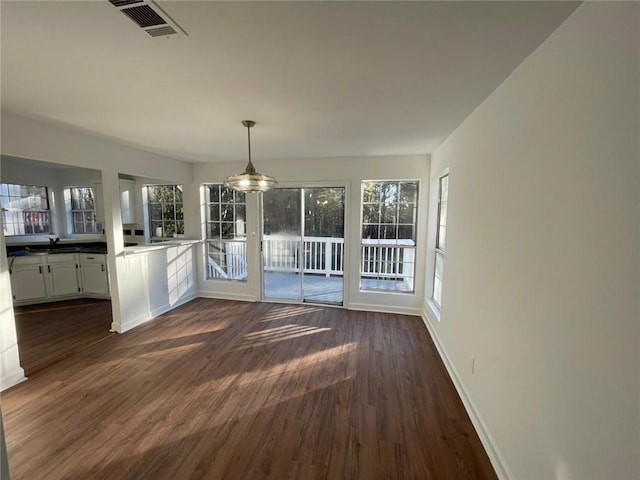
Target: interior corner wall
pixel 541 274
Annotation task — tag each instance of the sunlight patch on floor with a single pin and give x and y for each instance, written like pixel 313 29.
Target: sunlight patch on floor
pixel 278 334
pixel 177 350
pixel 285 312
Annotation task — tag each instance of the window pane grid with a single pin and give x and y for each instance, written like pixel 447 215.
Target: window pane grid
pixel 166 211
pixel 442 212
pixel 388 235
pixel 226 233
pixel 83 210
pixel 437 281
pixel 441 232
pixel 25 209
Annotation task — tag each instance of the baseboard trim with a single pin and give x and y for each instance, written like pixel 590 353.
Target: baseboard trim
pixel 242 297
pixel 166 308
pixel 489 444
pixel 369 307
pixel 125 327
pixel 8 381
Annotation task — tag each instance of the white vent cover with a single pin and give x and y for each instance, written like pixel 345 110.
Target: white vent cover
pixel 149 16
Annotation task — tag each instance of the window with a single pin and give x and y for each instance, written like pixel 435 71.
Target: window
pixel 25 209
pixel 388 244
pixel 226 233
pixel 441 237
pixel 81 208
pixel 166 212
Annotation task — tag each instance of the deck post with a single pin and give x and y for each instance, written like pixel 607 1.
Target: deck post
pixel 327 256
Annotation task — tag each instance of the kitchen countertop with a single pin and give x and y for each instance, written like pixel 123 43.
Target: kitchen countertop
pixel 40 249
pixel 150 247
pixel 98 248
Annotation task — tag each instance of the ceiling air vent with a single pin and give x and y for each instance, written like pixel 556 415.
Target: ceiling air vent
pixel 144 16
pixel 149 16
pixel 122 3
pixel 161 31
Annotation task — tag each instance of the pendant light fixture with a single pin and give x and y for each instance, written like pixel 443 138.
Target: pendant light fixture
pixel 250 181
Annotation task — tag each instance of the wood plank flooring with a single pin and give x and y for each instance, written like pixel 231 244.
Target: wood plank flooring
pixel 50 332
pixel 220 389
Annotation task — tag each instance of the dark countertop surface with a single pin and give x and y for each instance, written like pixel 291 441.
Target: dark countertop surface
pixel 67 247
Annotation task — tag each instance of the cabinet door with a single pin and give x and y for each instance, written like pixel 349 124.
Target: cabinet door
pixel 63 279
pixel 27 282
pixel 94 279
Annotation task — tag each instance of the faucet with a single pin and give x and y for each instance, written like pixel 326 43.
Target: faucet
pixel 52 242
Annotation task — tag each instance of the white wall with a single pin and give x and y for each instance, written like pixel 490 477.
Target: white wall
pixel 26 138
pixel 347 172
pixel 541 276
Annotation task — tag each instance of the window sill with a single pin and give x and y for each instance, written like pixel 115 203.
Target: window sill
pixel 386 292
pixel 226 280
pixel 434 309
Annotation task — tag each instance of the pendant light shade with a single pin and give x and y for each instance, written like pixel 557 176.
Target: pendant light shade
pixel 250 181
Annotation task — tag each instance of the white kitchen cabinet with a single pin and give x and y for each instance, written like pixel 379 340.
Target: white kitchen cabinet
pixel 95 278
pixel 62 275
pixel 27 279
pixel 49 277
pixel 128 201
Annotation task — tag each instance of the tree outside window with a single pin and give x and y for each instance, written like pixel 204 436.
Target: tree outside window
pixel 166 212
pixel 388 241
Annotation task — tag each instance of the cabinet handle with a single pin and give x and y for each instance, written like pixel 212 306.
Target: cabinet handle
pixel 49 268
pixel 40 268
pixel 102 267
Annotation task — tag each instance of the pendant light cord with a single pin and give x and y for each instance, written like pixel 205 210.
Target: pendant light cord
pixel 250 167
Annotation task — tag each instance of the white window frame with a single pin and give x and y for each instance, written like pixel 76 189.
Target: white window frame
pixel 71 224
pixel 235 246
pixel 387 247
pixel 440 250
pixel 8 209
pixel 151 235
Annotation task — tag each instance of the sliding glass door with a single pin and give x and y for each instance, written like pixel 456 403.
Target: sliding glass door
pixel 281 235
pixel 303 244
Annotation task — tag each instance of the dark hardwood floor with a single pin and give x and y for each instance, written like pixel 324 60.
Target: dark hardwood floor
pixel 50 332
pixel 220 389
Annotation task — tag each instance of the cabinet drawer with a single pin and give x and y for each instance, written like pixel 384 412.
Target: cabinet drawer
pixel 92 258
pixel 61 258
pixel 27 260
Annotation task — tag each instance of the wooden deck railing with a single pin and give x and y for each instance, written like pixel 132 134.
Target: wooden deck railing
pixel 319 255
pixel 227 259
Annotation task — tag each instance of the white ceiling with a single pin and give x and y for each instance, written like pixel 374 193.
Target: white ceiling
pixel 322 79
